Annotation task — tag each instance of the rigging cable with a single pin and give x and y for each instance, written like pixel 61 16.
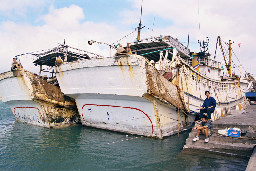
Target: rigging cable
pixel 125 36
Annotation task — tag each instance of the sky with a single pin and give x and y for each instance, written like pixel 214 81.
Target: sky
pixel 30 26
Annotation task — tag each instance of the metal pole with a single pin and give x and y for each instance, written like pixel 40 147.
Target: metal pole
pixel 40 70
pixel 229 63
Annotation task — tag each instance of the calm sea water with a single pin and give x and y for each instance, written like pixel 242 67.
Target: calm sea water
pixel 28 147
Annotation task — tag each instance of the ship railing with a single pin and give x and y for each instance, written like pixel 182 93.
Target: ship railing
pixel 171 41
pixel 180 47
pixel 201 75
pixel 210 62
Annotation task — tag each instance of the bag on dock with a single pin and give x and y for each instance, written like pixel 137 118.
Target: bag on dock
pixel 234 132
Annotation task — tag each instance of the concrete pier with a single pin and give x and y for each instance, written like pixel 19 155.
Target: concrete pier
pixel 245 120
pixel 252 164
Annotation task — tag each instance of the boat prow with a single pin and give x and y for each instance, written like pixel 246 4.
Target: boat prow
pixel 33 100
pixel 124 94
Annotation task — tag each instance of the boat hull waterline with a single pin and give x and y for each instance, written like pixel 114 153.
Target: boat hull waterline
pixel 34 101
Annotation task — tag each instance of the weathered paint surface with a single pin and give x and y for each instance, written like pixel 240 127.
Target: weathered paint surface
pixel 228 94
pixel 159 86
pixel 128 94
pixel 124 94
pixel 35 101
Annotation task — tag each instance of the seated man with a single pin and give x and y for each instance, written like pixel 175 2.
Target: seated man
pixel 204 127
pixel 208 106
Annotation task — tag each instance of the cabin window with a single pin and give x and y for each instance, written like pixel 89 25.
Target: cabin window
pixel 221 87
pixel 225 87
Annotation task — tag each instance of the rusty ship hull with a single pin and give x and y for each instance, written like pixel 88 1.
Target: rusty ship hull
pixel 34 101
pixel 124 94
pixel 152 90
pixel 147 88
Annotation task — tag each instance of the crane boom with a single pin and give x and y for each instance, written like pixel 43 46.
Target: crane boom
pixel 228 64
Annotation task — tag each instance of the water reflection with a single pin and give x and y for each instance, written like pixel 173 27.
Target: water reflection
pixel 29 147
pixel 203 160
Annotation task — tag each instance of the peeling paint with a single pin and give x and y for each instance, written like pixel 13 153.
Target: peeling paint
pixel 53 107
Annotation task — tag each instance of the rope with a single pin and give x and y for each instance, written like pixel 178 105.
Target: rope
pixel 37 52
pixel 86 51
pixel 125 36
pixel 55 49
pixel 179 91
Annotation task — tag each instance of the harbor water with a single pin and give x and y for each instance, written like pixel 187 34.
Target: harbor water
pixel 28 147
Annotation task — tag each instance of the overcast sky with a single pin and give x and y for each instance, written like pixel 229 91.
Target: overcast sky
pixel 29 25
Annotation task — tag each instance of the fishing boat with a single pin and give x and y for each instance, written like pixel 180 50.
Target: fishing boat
pixel 34 100
pixel 153 87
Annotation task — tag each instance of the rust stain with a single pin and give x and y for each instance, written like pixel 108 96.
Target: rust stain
pixel 221 113
pixel 61 72
pixel 121 66
pixel 156 114
pixel 130 69
pixel 58 110
pixel 240 106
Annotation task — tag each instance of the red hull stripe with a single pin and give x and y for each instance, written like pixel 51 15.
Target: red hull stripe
pixel 124 108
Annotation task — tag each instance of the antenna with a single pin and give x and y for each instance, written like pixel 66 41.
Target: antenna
pixel 188 41
pixel 198 12
pixel 204 45
pixel 154 23
pixel 139 28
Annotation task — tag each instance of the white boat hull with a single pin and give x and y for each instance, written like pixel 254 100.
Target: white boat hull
pixel 29 103
pixel 16 94
pixel 28 112
pixel 114 96
pixel 134 115
pixel 129 95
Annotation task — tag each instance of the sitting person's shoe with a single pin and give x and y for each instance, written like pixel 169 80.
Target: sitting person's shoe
pixel 206 140
pixel 196 139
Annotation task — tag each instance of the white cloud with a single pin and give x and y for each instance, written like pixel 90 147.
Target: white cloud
pixel 65 23
pixel 6 5
pixel 230 19
pixel 64 18
pixel 19 7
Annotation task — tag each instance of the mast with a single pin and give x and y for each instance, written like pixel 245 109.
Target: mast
pixel 229 63
pixel 139 28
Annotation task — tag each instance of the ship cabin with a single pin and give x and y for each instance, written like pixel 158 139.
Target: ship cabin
pixel 56 56
pixel 209 67
pixel 150 48
pixel 163 47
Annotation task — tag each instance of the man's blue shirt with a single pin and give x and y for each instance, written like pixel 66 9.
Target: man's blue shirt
pixel 209 102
